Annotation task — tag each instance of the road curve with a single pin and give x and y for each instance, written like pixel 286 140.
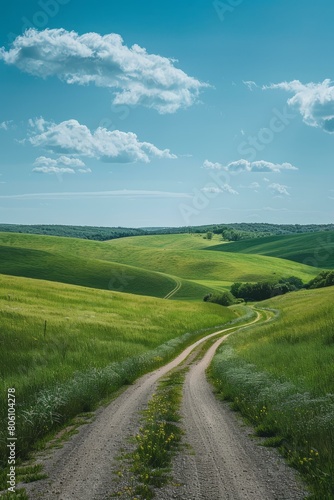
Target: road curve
pixel 224 466
pixel 82 469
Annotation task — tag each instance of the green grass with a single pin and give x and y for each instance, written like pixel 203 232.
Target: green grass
pixel 94 341
pixel 73 270
pixel 281 376
pixel 314 249
pixel 144 265
pixel 159 436
pixel 198 264
pixel 70 263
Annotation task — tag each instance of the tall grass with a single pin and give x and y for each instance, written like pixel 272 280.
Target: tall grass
pixel 63 348
pixel 281 376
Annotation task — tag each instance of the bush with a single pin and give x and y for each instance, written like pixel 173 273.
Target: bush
pixel 223 299
pixel 325 278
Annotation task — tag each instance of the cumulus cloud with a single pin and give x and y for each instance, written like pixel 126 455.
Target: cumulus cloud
pixel 279 189
pixel 61 165
pixel 72 138
pixel 136 77
pixel 224 188
pixel 213 166
pixel 314 101
pixel 247 166
pixel 54 170
pixel 229 189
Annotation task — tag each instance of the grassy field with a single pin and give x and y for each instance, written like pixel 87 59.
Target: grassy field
pixel 189 261
pixel 281 376
pixel 65 262
pixel 314 249
pixel 64 346
pixel 73 270
pixel 147 265
pixel 92 342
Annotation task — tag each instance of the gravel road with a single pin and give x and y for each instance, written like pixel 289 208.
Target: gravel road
pixel 226 463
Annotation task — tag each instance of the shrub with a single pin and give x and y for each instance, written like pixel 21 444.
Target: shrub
pixel 223 299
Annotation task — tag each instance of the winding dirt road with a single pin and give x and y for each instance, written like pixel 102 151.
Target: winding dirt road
pixel 226 463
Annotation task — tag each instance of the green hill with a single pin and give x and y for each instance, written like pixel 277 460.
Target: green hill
pixel 49 266
pixel 85 263
pixel 187 256
pixel 313 249
pixel 149 265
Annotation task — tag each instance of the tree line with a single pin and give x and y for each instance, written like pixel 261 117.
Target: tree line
pixel 263 290
pixel 230 232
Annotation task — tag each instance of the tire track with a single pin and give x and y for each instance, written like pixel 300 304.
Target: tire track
pixel 175 290
pixel 226 463
pixel 83 468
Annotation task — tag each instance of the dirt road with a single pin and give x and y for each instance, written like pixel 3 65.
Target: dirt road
pixel 226 464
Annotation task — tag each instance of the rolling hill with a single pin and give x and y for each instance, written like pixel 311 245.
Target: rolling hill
pixel 313 249
pixel 72 261
pixel 146 265
pixel 187 256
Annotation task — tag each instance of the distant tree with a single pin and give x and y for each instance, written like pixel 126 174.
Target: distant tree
pixel 325 278
pixel 235 289
pixel 265 290
pixel 223 299
pixel 293 282
pixel 209 235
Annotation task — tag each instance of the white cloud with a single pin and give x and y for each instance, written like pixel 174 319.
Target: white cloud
pixel 62 160
pixel 224 188
pixel 229 189
pixel 247 166
pixel 70 137
pixel 250 84
pixel 314 101
pixel 6 125
pixel 211 189
pixel 209 165
pixel 84 171
pixel 54 170
pixel 138 78
pixel 279 189
pixel 61 165
pixel 254 185
pixel 267 166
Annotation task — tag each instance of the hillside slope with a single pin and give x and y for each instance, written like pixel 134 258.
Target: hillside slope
pixel 86 263
pixel 149 265
pixel 313 249
pixel 188 257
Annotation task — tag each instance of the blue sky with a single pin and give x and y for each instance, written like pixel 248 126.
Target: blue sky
pixel 127 113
